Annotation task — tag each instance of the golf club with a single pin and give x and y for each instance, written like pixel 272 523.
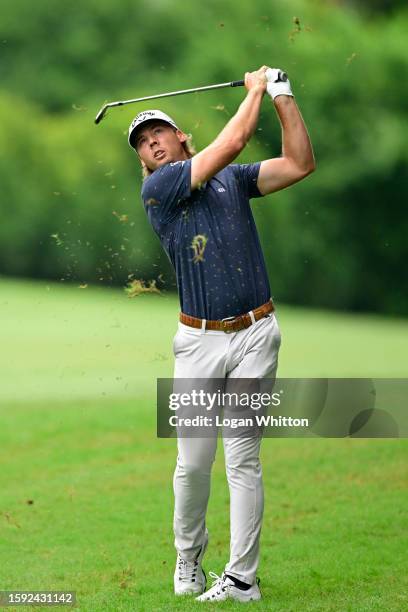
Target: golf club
pixel 104 108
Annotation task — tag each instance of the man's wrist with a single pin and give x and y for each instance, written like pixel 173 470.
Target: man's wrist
pixel 283 99
pixel 256 92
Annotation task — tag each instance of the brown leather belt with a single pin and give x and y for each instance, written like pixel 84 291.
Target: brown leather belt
pixel 229 324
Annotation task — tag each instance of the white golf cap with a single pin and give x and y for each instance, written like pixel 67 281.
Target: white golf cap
pixel 148 115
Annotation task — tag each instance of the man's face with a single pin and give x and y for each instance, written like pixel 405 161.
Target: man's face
pixel 157 143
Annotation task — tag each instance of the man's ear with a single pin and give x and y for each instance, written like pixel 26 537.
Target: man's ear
pixel 181 136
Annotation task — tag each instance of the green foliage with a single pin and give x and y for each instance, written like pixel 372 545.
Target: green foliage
pixel 335 239
pixel 377 6
pixel 67 213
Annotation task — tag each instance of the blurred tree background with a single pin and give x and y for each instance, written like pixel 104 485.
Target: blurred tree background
pixel 70 200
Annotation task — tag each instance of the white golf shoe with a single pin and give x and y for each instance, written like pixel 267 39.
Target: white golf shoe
pixel 189 577
pixel 224 588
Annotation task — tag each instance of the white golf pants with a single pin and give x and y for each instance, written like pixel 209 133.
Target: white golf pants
pixel 249 353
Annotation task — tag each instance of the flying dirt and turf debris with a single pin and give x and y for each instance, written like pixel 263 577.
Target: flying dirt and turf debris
pixel 57 239
pixel 121 218
pixel 137 286
pixel 297 29
pixel 78 107
pixel 152 202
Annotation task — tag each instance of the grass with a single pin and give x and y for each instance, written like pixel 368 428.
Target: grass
pixel 86 497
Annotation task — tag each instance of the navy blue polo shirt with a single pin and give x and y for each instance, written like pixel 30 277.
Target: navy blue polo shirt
pixel 210 237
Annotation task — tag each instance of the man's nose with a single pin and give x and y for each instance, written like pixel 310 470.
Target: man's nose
pixel 152 140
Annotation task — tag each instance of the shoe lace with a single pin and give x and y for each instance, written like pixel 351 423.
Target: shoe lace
pixel 218 582
pixel 187 570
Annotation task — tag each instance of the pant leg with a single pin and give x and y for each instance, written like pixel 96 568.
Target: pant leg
pixel 196 356
pixel 259 359
pixel 191 485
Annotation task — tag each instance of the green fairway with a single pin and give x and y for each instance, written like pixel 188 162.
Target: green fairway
pixel 86 487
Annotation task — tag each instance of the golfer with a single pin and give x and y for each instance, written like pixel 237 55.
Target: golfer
pixel 198 205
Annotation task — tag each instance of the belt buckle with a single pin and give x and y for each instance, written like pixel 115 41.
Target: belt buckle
pixel 225 322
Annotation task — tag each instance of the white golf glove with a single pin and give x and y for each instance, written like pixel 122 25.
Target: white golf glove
pixel 278 83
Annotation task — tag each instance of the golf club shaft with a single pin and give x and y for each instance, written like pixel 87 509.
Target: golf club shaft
pixel 103 110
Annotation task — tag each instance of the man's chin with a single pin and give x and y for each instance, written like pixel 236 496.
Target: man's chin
pixel 162 162
pixel 158 163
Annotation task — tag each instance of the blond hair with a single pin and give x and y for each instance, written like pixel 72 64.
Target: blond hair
pixel 188 148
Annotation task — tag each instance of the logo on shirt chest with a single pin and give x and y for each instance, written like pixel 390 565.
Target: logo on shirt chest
pixel 221 189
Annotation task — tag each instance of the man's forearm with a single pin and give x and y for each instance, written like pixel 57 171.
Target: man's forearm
pixel 242 125
pixel 296 143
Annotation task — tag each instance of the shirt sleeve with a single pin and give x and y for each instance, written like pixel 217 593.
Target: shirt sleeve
pixel 247 175
pixel 164 191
